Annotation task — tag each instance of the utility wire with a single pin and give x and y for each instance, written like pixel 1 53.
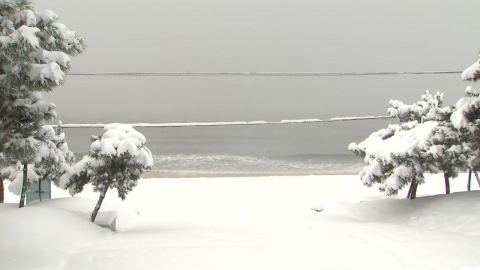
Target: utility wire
pixel 278 74
pixel 238 123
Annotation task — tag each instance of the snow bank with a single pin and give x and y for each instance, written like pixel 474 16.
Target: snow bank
pixel 7 208
pixel 41 237
pixel 84 207
pixel 457 212
pixel 262 223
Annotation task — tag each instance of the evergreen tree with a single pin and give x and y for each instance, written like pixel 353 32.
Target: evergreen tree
pixel 402 154
pixel 52 161
pixel 116 160
pixel 471 74
pixel 432 139
pixel 395 156
pixel 34 57
pixel 465 118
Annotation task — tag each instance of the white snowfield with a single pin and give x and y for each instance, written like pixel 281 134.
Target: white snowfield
pixel 249 223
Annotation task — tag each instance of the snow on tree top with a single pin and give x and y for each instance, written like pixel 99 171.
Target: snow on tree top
pixel 122 131
pixel 120 139
pixel 471 73
pixel 402 144
pixel 422 110
pixel 47 132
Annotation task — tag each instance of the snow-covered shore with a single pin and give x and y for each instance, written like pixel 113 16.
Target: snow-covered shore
pixel 249 223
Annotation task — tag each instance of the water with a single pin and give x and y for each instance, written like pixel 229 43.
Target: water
pixel 222 165
pixel 298 149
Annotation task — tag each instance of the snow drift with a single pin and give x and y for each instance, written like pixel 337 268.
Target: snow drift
pixel 457 212
pixel 41 237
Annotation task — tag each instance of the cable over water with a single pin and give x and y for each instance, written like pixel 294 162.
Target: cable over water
pixel 235 123
pixel 272 74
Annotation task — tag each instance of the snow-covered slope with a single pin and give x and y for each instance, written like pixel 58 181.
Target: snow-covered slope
pixel 41 237
pixel 249 223
pixel 458 212
pixel 83 207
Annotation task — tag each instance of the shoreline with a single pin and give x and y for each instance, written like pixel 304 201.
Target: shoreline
pixel 166 175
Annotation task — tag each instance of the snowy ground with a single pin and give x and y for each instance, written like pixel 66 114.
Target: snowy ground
pixel 249 223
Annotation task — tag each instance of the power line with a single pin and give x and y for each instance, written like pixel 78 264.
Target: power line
pixel 272 74
pixel 238 123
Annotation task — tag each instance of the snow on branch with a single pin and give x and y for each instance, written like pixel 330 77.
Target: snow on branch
pixel 47 57
pixel 46 17
pixel 23 35
pixel 15 174
pixel 50 71
pixel 472 73
pixel 465 106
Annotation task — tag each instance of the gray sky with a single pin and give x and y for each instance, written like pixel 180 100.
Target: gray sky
pixel 260 35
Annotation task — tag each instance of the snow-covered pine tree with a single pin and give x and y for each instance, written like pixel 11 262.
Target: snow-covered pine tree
pixel 446 155
pixel 466 119
pixel 401 154
pixel 395 156
pixel 52 161
pixel 34 56
pixel 116 160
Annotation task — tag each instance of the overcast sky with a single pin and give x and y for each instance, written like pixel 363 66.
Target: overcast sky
pixel 260 35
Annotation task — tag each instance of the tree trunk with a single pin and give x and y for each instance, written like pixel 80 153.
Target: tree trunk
pixel 469 183
pixel 25 185
pixel 476 176
pixel 40 190
pixel 447 183
pixel 412 191
pixel 2 191
pixel 99 204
